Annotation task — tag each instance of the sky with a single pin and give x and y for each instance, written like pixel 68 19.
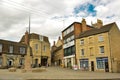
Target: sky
pixel 51 17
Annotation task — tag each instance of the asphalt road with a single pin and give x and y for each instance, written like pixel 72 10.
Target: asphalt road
pixel 57 73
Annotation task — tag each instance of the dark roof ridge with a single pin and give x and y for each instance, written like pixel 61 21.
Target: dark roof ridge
pixel 94 31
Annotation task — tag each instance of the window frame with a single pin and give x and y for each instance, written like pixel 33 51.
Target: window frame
pixel 22 50
pixel 82 52
pixel 82 42
pixel 100 38
pixel 101 49
pixel 1 47
pixel 11 49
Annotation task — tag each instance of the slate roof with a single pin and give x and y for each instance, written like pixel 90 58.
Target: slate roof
pixel 105 28
pixel 34 36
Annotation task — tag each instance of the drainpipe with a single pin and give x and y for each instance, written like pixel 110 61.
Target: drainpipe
pixel 110 51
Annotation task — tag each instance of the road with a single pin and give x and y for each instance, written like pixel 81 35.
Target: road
pixel 57 73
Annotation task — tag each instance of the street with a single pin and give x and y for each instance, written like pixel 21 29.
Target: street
pixel 57 73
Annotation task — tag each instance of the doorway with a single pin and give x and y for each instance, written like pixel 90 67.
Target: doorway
pixel 36 62
pixel 106 67
pixel 44 61
pixel 10 63
pixel 92 65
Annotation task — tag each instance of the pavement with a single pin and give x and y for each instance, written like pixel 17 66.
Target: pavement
pixel 57 73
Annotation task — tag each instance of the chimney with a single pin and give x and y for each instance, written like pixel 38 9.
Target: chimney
pixel 26 38
pixel 54 43
pixel 84 27
pixel 59 38
pixel 99 23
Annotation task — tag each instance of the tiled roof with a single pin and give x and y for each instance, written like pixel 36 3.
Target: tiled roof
pixel 11 42
pixel 35 36
pixel 105 28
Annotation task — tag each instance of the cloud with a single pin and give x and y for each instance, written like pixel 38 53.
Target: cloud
pixel 49 18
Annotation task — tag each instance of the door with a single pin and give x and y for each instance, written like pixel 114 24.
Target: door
pixel 43 61
pixel 92 65
pixel 36 62
pixel 106 67
pixel 10 63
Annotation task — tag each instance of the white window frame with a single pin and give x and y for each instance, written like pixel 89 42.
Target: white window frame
pixel 100 38
pixel 11 49
pixel 40 37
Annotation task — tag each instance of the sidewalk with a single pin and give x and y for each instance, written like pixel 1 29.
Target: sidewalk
pixel 57 73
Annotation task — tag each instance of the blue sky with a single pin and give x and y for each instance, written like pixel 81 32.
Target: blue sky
pixel 87 8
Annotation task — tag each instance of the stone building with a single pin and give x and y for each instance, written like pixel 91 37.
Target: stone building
pixel 11 54
pixel 14 53
pixel 57 52
pixel 69 34
pixel 40 46
pixel 98 49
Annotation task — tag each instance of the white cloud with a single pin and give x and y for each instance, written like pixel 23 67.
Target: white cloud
pixel 14 16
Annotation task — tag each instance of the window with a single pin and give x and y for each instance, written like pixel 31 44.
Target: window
pixel 82 52
pixel 65 33
pixel 65 52
pixel 100 38
pixel 0 47
pixel 40 37
pixel 84 63
pixel 21 61
pixel 72 28
pixel 36 47
pixel 72 37
pixel 0 60
pixel 22 50
pixel 73 49
pixel 100 64
pixel 82 41
pixel 68 31
pixel 91 51
pixel 90 40
pixel 101 49
pixel 10 49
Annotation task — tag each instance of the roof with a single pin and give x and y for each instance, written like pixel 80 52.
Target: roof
pixel 74 23
pixel 11 42
pixel 105 28
pixel 34 36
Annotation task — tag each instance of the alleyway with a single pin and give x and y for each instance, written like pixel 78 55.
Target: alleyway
pixel 57 73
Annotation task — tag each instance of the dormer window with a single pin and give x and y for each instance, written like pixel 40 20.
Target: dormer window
pixel 10 49
pixel 22 50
